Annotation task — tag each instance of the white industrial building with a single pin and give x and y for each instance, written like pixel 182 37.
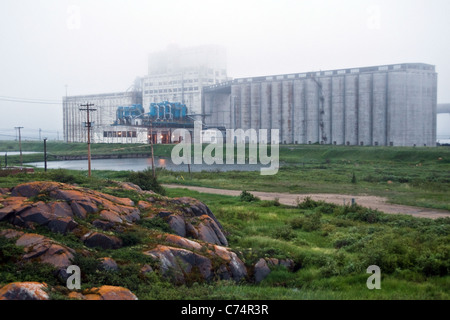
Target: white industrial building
pixel 389 105
pixel 174 75
pixel 179 74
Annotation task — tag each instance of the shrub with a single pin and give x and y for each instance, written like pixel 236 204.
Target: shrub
pixel 247 197
pixel 284 232
pixel 61 175
pixel 8 250
pixel 146 181
pixel 353 178
pixel 157 223
pixel 270 203
pixel 297 223
pixel 308 203
pixel 313 222
pixel 310 222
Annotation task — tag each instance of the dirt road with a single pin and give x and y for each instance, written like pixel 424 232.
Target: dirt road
pixel 365 201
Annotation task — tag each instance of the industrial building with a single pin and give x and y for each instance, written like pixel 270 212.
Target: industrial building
pixel 179 74
pixel 390 105
pixel 102 119
pixel 175 76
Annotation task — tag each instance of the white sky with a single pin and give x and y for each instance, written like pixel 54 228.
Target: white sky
pixel 97 46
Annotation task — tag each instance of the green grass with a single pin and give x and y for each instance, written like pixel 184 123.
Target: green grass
pixel 332 246
pixel 331 259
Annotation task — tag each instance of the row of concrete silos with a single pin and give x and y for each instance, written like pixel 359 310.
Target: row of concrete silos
pixel 373 108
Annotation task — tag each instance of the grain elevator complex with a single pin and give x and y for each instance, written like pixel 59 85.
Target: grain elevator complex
pixel 389 105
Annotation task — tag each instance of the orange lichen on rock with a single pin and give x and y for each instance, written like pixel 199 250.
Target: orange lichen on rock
pixel 24 291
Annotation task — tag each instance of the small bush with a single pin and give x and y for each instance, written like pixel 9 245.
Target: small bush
pixel 155 223
pixel 9 251
pixel 270 203
pixel 130 239
pixel 61 175
pixel 313 222
pixel 298 222
pixel 284 232
pixel 247 197
pixel 310 222
pixel 308 203
pixel 353 178
pixel 146 181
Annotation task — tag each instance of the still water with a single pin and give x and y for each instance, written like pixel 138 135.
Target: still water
pixel 139 164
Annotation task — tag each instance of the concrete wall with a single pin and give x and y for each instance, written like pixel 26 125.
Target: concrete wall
pixel 386 105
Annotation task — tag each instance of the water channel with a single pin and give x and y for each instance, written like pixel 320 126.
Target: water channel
pixel 139 164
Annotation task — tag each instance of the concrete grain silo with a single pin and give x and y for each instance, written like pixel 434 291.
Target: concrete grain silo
pixel 391 105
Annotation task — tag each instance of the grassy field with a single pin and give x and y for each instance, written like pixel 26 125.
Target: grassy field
pixel 410 176
pixel 331 246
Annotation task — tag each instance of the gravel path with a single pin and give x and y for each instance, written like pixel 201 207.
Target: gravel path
pixel 373 202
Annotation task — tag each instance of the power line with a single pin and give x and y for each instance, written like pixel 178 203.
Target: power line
pixel 29 99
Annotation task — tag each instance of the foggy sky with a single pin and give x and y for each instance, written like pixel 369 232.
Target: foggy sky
pixel 100 46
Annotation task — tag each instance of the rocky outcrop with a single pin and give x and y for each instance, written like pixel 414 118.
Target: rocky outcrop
pixel 196 249
pixel 177 264
pixel 262 270
pixel 191 256
pixel 101 240
pixel 263 267
pixel 56 205
pixel 38 291
pixel 24 291
pixel 108 264
pixel 195 220
pixel 41 249
pixel 104 293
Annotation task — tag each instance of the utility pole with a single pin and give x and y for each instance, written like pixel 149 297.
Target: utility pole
pixel 151 144
pixel 40 130
pixel 88 125
pixel 45 154
pixel 20 146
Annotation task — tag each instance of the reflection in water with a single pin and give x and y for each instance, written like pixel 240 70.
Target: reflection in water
pixel 139 164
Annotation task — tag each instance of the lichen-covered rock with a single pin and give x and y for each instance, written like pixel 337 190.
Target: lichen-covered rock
pixel 104 293
pixel 182 242
pixel 195 220
pixel 177 263
pixel 262 270
pixel 207 230
pixel 108 264
pixel 62 225
pixel 287 263
pixel 101 240
pixel 24 291
pixel 40 248
pixel 234 268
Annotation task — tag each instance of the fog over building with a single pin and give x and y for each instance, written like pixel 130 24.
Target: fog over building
pixel 381 105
